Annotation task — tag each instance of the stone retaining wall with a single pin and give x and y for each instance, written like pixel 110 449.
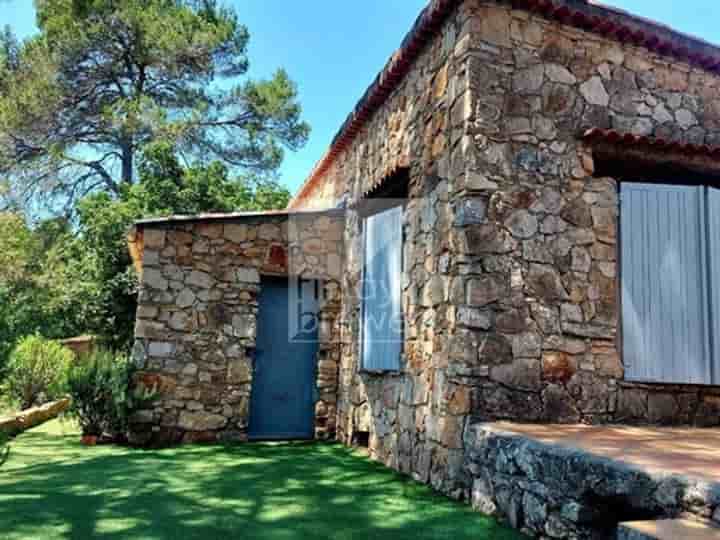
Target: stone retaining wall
pixel 550 491
pixel 196 321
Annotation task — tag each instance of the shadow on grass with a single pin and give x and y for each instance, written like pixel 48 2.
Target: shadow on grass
pixel 52 487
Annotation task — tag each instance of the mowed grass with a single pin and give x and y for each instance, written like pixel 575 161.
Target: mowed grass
pixel 53 487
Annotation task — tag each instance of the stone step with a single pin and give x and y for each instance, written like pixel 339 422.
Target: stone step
pixel 668 529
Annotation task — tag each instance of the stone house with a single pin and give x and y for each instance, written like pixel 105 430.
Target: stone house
pixel 531 185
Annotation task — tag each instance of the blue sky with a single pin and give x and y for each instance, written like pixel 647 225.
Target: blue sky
pixel 333 49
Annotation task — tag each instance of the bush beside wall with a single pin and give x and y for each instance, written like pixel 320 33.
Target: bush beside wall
pixel 37 371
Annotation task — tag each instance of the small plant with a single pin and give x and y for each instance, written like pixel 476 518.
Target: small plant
pixel 102 401
pixel 37 371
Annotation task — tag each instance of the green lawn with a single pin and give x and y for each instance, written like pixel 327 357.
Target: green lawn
pixel 52 487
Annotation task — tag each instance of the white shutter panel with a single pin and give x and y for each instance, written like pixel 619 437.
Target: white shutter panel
pixel 664 297
pixel 382 328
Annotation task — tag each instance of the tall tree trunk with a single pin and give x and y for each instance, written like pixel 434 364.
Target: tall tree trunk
pixel 127 161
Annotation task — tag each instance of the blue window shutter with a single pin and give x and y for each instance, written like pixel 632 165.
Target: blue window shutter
pixel 382 323
pixel 664 296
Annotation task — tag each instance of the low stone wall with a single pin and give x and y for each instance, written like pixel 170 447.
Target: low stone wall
pixel 550 491
pixel 30 418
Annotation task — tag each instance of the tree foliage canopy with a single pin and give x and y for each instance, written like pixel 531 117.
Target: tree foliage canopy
pixel 30 298
pixel 105 78
pixel 100 266
pixel 119 110
pixel 61 281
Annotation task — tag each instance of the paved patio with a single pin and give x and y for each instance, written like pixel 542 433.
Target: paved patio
pixel 674 529
pixel 690 452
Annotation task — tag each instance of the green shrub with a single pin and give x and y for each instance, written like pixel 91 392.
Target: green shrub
pixel 37 371
pixel 102 401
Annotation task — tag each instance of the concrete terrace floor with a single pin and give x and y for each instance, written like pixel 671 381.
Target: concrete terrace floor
pixel 52 487
pixel 690 452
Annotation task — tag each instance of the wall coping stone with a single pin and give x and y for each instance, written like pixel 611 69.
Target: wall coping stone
pixel 241 216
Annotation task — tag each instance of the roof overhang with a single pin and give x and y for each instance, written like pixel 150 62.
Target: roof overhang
pixel 616 138
pixel 653 156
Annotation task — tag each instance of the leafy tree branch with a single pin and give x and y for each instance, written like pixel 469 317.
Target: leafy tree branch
pixel 103 79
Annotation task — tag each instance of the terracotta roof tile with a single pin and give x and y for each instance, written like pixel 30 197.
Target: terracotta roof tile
pixel 614 137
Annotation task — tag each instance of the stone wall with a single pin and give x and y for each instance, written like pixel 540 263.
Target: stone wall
pixel 511 281
pixel 549 491
pixel 510 284
pixel 196 321
pixel 539 314
pixel 413 419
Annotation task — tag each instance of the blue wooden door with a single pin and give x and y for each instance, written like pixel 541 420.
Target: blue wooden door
pixel 283 392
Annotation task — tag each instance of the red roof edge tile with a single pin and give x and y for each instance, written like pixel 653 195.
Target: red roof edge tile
pixel 587 15
pixel 614 137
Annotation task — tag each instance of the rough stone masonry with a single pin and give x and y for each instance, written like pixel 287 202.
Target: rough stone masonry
pixel 510 280
pixel 553 491
pixel 511 293
pixel 196 321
